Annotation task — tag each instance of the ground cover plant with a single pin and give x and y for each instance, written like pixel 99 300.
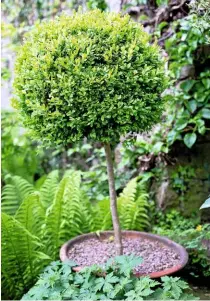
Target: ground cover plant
pixel 113 281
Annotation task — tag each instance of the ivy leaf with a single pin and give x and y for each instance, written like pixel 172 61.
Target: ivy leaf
pixel 172 136
pixel 206 83
pixel 192 106
pixel 201 126
pixel 187 85
pixel 205 113
pixel 189 139
pixel 181 124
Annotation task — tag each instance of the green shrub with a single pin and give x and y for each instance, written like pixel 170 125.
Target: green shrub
pixel 91 75
pixel 114 281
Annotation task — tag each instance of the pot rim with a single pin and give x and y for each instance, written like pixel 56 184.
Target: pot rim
pixel 131 234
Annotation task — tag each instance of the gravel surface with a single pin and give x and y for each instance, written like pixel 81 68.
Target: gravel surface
pixel 156 256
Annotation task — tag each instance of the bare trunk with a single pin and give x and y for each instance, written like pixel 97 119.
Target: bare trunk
pixel 113 200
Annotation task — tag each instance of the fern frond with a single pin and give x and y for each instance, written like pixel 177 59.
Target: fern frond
pixel 104 209
pixel 48 189
pixel 14 193
pixel 132 206
pixel 101 216
pixel 55 216
pixel 125 200
pixel 63 217
pixel 86 214
pixel 20 258
pixel 73 205
pixel 128 193
pixel 31 214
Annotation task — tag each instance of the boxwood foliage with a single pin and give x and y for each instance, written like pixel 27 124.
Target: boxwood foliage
pixel 91 75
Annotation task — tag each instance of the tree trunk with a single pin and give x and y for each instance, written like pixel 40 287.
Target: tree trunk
pixel 113 200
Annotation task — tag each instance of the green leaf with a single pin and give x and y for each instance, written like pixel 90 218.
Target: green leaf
pixel 206 82
pixel 201 126
pixel 157 147
pixel 205 113
pixel 14 193
pixel 181 124
pixel 189 139
pixel 192 106
pixel 187 85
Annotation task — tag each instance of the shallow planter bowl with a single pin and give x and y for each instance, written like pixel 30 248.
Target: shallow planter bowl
pixel 183 255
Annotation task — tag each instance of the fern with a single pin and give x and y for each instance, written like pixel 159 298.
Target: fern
pixel 73 205
pixel 101 216
pixel 21 259
pixel 31 214
pixel 86 214
pixel 55 219
pixel 48 189
pixel 14 193
pixel 63 217
pixel 132 206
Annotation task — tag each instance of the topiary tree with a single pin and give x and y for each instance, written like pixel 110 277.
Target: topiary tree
pixel 91 75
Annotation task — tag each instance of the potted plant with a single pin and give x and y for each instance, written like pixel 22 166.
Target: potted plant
pixel 92 75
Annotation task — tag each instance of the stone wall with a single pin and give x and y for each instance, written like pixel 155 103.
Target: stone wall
pixel 198 188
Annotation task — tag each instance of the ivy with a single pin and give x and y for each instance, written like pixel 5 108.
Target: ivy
pixel 187 116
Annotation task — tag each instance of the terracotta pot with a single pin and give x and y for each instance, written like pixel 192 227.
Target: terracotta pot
pixel 131 234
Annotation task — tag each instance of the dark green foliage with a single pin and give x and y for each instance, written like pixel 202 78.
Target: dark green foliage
pixel 187 49
pixel 189 112
pixel 91 75
pixel 113 281
pixel 180 181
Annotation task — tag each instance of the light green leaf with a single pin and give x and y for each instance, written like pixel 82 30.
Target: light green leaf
pixel 205 113
pixel 192 106
pixel 189 139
